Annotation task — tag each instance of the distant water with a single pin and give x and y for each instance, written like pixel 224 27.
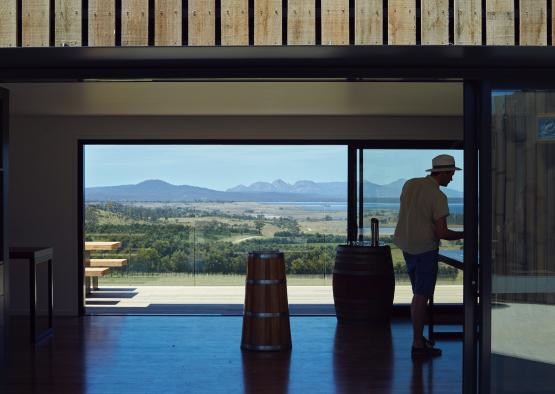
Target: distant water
pixel 316 206
pixel 382 230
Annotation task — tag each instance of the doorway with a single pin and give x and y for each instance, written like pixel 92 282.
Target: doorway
pixel 177 229
pixel 519 276
pixel 385 129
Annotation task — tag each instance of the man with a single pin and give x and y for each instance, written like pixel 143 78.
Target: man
pixel 422 224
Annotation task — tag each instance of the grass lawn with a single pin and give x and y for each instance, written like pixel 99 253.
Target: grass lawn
pixel 184 279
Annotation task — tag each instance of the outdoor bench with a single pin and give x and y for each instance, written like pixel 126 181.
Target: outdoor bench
pixel 94 273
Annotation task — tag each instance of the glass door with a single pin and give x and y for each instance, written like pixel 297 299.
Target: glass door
pixel 4 113
pixel 381 176
pixel 518 315
pixel 474 109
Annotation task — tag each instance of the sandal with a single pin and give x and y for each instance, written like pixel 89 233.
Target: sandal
pixel 425 352
pixel 428 342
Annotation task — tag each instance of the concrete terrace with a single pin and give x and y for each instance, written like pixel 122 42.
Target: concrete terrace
pixel 228 300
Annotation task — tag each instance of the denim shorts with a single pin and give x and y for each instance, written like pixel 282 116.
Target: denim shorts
pixel 422 270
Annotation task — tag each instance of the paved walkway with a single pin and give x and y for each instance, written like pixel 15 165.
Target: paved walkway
pixel 228 299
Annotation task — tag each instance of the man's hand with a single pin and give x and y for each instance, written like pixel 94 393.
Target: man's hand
pixel 442 232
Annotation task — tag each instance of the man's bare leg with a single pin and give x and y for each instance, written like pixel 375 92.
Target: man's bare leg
pixel 418 311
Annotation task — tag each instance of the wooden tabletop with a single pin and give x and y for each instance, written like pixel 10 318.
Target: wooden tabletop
pixel 454 258
pixel 39 253
pixel 102 245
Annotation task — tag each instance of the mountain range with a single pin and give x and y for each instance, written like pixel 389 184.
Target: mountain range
pixel 276 191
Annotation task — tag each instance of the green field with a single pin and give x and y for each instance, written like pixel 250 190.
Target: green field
pixel 166 242
pixel 183 279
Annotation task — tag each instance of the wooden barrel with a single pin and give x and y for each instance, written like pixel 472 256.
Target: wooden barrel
pixel 266 311
pixel 363 284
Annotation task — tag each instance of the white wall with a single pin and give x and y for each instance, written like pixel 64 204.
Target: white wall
pixel 43 169
pixel 237 98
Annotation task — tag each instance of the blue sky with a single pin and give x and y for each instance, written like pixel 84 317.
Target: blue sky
pixel 223 166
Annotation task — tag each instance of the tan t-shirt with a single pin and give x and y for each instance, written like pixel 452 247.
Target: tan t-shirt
pixel 422 203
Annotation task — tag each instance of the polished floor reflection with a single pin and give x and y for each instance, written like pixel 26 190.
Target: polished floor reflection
pixel 200 354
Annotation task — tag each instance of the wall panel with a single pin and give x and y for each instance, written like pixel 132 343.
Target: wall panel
pixel 235 22
pixel 401 22
pixel 68 22
pixel 202 27
pixel 335 22
pixel 533 22
pixel 301 22
pixel 36 23
pixel 500 22
pixel 168 22
pixel 552 16
pixel 368 19
pixel 8 23
pixel 435 22
pixel 134 22
pixel 468 22
pixel 102 23
pixel 267 22
pixel 368 22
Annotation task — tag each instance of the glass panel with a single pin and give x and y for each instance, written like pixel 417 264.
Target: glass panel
pixel 3 120
pixel 523 267
pixel 384 176
pixel 189 215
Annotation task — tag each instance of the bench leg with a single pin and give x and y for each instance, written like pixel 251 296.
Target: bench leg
pixel 88 285
pixel 87 263
pixel 95 283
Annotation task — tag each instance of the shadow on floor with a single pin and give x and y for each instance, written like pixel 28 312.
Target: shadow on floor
pixel 204 309
pixel 105 294
pixel 518 375
pixel 101 302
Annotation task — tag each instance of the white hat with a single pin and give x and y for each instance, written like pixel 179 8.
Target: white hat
pixel 443 163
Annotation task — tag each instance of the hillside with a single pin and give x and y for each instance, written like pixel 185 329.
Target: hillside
pixel 276 191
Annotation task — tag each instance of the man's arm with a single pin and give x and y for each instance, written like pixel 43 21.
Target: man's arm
pixel 442 232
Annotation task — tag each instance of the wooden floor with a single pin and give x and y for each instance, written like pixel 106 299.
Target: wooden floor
pixel 200 354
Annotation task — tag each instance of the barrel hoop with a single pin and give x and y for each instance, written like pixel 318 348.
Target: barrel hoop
pixel 265 347
pixel 354 273
pixel 266 281
pixel 353 301
pixel 266 314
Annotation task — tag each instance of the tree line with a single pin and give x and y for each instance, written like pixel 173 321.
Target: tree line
pixel 152 245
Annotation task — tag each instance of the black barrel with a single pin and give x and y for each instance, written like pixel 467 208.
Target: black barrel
pixel 363 284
